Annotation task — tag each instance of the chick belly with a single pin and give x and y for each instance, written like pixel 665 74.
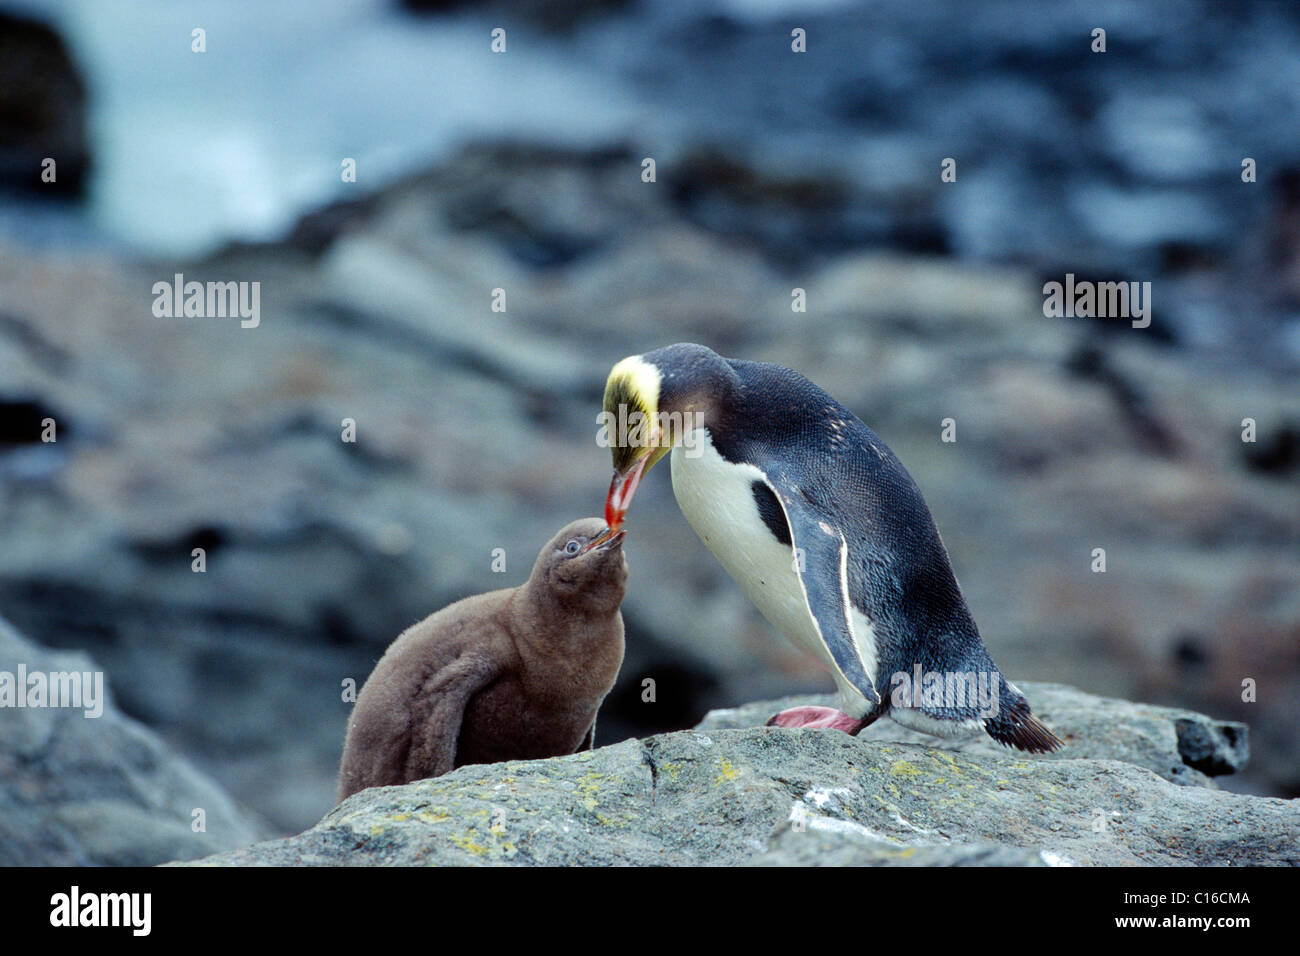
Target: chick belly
pixel 500 723
pixel 716 498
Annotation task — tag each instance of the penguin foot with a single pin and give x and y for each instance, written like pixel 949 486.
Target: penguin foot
pixel 827 717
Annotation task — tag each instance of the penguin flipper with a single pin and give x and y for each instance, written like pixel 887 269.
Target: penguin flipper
pixel 820 555
pixel 408 731
pixel 438 713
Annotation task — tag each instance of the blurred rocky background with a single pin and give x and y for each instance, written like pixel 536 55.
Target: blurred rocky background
pixel 475 429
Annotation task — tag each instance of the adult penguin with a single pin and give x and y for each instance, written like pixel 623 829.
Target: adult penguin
pixel 821 525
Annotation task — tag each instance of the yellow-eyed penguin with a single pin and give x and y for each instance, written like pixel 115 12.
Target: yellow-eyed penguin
pixel 819 523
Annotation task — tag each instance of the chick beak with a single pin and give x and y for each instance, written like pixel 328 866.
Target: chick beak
pixel 621 490
pixel 609 538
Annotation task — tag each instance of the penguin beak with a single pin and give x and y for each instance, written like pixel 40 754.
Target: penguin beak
pixel 621 490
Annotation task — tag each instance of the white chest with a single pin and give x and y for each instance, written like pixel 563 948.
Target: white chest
pixel 717 498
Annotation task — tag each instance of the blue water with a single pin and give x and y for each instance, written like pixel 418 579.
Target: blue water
pixel 193 149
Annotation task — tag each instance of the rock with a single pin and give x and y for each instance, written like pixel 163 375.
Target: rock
pixel 771 797
pixel 77 790
pixel 1212 748
pixel 830 841
pixel 1184 747
pixel 549 14
pixel 42 110
pixel 789 216
pixel 1278 454
pixel 371 275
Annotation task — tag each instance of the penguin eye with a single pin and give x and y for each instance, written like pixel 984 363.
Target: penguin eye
pixel 573 547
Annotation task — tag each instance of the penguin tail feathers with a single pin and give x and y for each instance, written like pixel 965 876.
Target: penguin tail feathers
pixel 1020 729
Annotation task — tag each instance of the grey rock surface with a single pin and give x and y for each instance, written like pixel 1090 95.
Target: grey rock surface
pixel 768 796
pixel 1213 748
pixel 1182 746
pixel 81 791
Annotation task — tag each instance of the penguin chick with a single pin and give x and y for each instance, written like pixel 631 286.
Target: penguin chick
pixel 821 525
pixel 515 674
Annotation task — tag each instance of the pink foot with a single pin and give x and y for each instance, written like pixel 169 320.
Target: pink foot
pixel 817 717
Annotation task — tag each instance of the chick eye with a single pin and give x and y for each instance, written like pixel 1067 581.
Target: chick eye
pixel 573 547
